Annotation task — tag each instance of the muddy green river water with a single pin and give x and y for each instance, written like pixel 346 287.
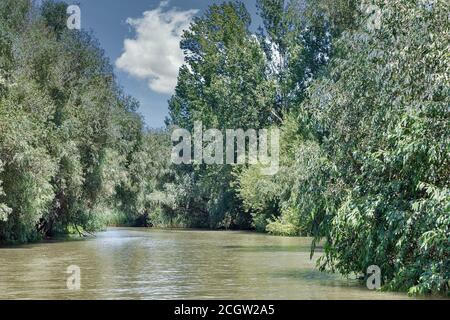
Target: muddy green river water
pixel 126 263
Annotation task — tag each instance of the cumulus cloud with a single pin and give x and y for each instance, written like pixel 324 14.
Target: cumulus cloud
pixel 154 54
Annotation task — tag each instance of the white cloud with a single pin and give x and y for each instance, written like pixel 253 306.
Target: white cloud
pixel 155 54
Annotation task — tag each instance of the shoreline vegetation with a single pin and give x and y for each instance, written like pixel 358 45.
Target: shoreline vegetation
pixel 362 107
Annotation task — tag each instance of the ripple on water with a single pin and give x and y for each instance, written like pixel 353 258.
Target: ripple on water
pixel 124 263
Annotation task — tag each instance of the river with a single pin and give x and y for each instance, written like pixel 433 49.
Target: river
pixel 124 263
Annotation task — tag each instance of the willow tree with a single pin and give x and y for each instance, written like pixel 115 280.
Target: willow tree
pixel 61 117
pixel 385 117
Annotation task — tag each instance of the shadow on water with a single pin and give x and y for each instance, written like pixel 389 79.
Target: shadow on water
pixel 55 240
pixel 272 248
pixel 318 278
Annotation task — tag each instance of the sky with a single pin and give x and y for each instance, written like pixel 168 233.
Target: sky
pixel 141 39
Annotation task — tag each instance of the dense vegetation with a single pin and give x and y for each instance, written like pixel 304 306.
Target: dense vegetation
pixel 73 149
pixel 364 112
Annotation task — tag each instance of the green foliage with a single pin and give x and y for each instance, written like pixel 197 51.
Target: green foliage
pixel 384 114
pixel 280 227
pixel 339 15
pixel 224 85
pixel 295 49
pixel 364 115
pixel 260 196
pixel 365 157
pixel 146 172
pixel 4 210
pixel 64 124
pixel 223 82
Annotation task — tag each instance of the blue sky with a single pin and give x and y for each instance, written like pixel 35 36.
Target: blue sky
pixel 146 66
